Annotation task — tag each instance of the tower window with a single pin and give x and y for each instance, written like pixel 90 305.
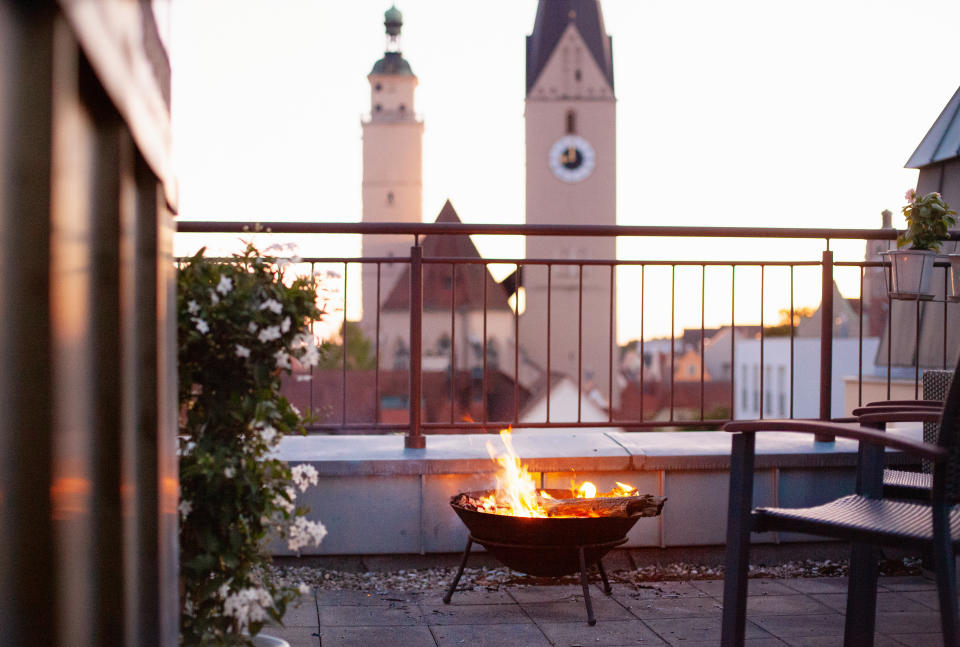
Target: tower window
pixel 571 122
pixel 403 108
pixel 577 76
pixel 377 108
pixel 377 87
pixel 390 197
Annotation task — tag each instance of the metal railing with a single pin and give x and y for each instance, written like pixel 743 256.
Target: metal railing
pixel 419 424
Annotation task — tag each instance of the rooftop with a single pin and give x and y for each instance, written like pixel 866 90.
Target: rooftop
pixel 544 612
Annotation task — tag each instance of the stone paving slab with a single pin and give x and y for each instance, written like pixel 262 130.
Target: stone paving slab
pixel 796 612
pixel 502 635
pixel 389 636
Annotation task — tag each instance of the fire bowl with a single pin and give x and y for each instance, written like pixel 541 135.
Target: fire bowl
pixel 543 547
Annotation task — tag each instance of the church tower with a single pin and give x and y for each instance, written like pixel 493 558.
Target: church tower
pixel 570 120
pixel 392 165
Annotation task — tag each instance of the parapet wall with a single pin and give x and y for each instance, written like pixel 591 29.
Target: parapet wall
pixel 375 497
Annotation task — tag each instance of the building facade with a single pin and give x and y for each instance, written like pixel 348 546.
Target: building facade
pixel 392 166
pixel 570 122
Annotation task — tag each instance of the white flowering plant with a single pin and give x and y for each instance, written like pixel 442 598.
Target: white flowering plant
pixel 240 324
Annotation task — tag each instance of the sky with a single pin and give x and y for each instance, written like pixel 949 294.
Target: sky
pixel 730 113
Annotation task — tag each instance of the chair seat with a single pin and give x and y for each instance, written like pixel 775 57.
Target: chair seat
pixel 913 485
pixel 858 518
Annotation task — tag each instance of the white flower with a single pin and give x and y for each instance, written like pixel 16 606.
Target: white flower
pixel 193 307
pixel 310 357
pixel 252 327
pixel 304 532
pixel 304 476
pixel 295 409
pixel 223 590
pixel 303 588
pixel 248 605
pixel 229 472
pixel 286 503
pixel 242 351
pixel 185 507
pixel 285 324
pixel 269 434
pixel 225 285
pixel 272 305
pixel 269 333
pixel 202 325
pixel 283 358
pixel 214 299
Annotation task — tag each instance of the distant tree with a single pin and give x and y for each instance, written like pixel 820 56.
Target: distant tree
pixel 360 355
pixel 782 329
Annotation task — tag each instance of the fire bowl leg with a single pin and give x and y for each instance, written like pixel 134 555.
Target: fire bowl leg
pixel 463 564
pixel 603 576
pixel 585 582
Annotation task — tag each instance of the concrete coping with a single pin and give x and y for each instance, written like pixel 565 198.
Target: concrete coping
pixel 557 450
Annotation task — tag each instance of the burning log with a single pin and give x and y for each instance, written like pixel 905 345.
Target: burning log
pixel 643 505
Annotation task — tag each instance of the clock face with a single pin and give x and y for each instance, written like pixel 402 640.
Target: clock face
pixel 572 158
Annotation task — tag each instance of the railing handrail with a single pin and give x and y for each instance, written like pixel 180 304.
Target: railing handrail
pixel 423 229
pixel 417 426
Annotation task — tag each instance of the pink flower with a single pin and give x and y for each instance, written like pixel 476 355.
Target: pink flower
pixel 911 195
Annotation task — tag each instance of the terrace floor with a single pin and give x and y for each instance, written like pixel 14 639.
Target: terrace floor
pixel 796 611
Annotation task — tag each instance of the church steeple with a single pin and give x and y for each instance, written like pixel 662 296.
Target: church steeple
pixel 553 18
pixel 392 62
pixel 392 165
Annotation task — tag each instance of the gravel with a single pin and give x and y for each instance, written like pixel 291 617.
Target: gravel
pixel 491 579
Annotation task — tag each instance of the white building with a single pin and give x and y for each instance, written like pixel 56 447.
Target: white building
pixel 776 374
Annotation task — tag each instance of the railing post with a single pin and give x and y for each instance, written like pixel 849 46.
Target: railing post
pixel 415 439
pixel 826 342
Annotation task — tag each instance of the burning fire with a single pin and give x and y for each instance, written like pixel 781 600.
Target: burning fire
pixel 517 494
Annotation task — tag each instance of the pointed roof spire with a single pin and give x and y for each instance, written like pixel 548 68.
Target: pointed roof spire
pixel 552 19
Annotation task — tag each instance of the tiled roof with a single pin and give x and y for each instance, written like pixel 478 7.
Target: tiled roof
pixel 438 283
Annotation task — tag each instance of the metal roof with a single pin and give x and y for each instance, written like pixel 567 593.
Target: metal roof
pixel 392 63
pixel 942 142
pixel 552 19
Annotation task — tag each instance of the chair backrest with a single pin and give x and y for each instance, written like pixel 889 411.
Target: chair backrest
pixel 949 437
pixel 936 383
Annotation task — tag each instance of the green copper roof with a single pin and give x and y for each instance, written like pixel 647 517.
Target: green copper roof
pixel 393 20
pixel 392 63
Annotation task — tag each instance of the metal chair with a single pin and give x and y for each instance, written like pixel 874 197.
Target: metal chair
pixel 868 519
pixel 902 483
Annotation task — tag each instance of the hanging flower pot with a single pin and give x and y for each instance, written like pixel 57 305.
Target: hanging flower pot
pixel 953 278
pixel 928 219
pixel 910 272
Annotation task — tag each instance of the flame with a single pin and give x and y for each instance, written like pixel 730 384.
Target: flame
pixel 517 493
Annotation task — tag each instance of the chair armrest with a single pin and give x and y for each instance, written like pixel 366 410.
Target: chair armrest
pixel 910 403
pixel 891 408
pixel 853 431
pixel 917 415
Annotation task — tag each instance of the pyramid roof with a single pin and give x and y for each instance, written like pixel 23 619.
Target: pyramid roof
pixel 439 287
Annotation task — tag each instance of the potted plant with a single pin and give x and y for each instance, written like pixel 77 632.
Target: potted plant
pixel 240 323
pixel 928 219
